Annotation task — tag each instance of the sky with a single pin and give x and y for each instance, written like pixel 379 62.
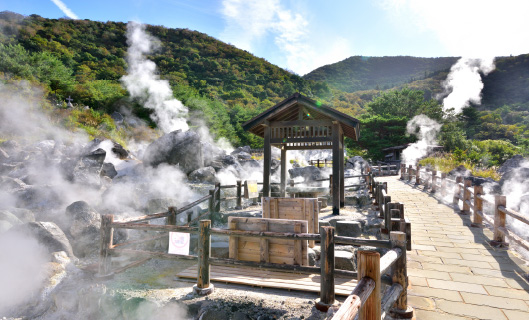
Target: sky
pixel 302 35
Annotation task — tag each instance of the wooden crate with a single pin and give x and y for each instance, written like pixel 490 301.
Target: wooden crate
pixel 268 250
pixel 294 209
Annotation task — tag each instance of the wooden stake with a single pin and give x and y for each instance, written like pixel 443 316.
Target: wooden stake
pixel 478 207
pixel 369 266
pixel 466 196
pixel 499 222
pixel 400 275
pixel 327 268
pixel 203 286
pixel 418 175
pixel 239 195
pixel 106 233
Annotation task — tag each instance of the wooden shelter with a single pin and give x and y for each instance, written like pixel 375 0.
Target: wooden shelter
pixel 299 123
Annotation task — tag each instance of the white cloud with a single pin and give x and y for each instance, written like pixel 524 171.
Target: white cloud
pixel 250 21
pixel 69 13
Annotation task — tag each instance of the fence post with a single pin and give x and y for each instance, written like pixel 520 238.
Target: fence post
pixel 418 175
pixel 211 202
pixel 380 170
pixel 105 244
pixel 400 276
pixel 386 213
pixel 217 197
pixel 369 266
pixel 457 191
pixel 410 170
pixel 327 269
pixel 203 286
pixel 238 206
pixel 477 221
pixel 466 196
pixel 402 171
pixel 434 181
pixel 171 217
pixel 499 222
pixel 330 186
pixel 443 184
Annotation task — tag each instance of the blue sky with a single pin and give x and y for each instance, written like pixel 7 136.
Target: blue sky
pixel 303 35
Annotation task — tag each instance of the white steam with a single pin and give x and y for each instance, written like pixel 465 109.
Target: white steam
pixel 145 85
pixel 427 135
pixel 463 84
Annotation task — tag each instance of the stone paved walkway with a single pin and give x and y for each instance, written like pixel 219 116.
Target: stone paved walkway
pixel 454 273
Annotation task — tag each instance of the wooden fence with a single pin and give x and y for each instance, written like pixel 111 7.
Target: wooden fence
pixel 472 198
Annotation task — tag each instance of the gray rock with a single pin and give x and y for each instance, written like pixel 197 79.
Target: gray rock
pixel 48 234
pixel 210 152
pixel 5 226
pixel 88 169
pixel 245 149
pixel 309 173
pixel 84 228
pixel 117 117
pixel 511 164
pixel 4 157
pixel 243 156
pixel 344 260
pixel 176 148
pixel 358 163
pixel 517 174
pixel 9 217
pixel 250 164
pixel 108 170
pixel 459 171
pixel 24 215
pixel 348 228
pixel 214 314
pixel 119 151
pixel 312 257
pixel 11 184
pixel 37 197
pixel 205 174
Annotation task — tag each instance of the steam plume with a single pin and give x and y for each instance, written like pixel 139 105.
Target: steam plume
pixel 145 85
pixel 428 131
pixel 69 13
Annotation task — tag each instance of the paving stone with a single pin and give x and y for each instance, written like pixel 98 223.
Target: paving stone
pixel 417 281
pixel 461 262
pixel 445 267
pixel 479 257
pixel 424 258
pixel 414 264
pixel 493 273
pixel 421 303
pixel 469 310
pixel 456 250
pixel 517 283
pixel 435 293
pixel 429 274
pixel 491 281
pixel 456 286
pixel 495 302
pixel 516 315
pixel 433 243
pixel 507 292
pixel 451 255
pixel 424 247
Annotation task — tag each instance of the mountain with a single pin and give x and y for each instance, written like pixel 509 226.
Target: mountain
pixel 365 73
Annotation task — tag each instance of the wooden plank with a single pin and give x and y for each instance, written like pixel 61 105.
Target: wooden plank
pixel 271 279
pixel 263 246
pixel 233 242
pixel 298 249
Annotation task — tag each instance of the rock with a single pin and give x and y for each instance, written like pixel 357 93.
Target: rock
pixel 24 215
pixel 249 165
pixel 245 149
pixel 119 151
pixel 9 217
pixel 37 197
pixel 357 163
pixel 4 226
pixel 108 170
pixel 274 165
pixel 117 117
pixel 158 205
pixel 88 169
pixel 344 260
pixel 48 234
pixel 210 152
pixel 518 175
pixel 324 223
pixel 214 314
pixel 176 148
pixel 11 184
pixel 205 174
pixel 310 173
pixel 243 156
pixel 348 228
pixel 4 157
pixel 510 164
pixel 240 316
pixel 84 228
pixel 312 257
pixel 459 171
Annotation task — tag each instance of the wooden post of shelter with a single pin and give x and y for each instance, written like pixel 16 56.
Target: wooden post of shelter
pixel 283 187
pixel 327 269
pixel 267 160
pixel 477 220
pixel 499 222
pixel 336 168
pixel 203 286
pixel 342 172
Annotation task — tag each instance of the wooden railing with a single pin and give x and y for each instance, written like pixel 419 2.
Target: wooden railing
pixel 472 198
pixel 321 163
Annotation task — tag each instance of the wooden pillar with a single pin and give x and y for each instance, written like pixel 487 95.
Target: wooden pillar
pixel 283 171
pixel 457 191
pixel 434 181
pixel 106 233
pixel 410 169
pixel 239 195
pixel 327 269
pixel 369 266
pixel 342 172
pixel 477 221
pixel 336 167
pixel 267 161
pixel 171 218
pixel 400 276
pixel 211 202
pixel 217 197
pixel 499 222
pixel 386 213
pixel 203 286
pixel 466 196
pixel 402 171
pixel 418 175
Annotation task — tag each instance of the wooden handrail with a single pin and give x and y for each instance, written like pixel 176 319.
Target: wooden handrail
pixel 513 214
pixel 351 306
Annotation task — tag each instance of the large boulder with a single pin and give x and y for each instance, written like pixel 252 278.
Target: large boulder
pixel 176 148
pixel 47 234
pixel 515 175
pixel 88 169
pixel 24 215
pixel 310 173
pixel 84 227
pixel 511 164
pixel 4 157
pixel 356 163
pixel 205 174
pixel 459 171
pixel 37 197
pixel 108 170
pixel 119 151
pixel 210 152
pixel 245 149
pixel 9 217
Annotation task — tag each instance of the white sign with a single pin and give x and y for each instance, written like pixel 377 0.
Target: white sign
pixel 179 243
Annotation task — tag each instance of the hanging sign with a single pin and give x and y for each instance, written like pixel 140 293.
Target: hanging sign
pixel 179 243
